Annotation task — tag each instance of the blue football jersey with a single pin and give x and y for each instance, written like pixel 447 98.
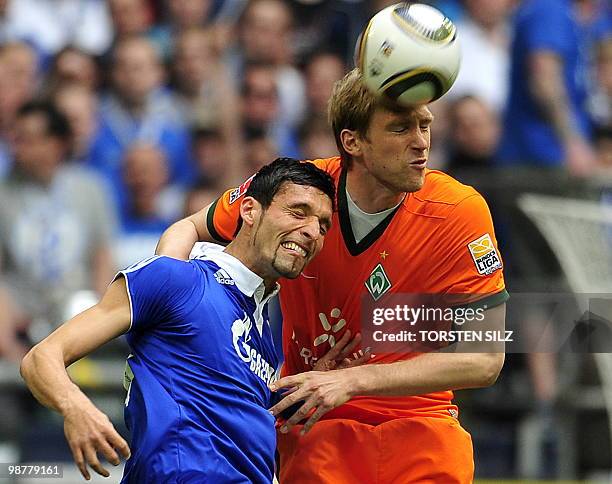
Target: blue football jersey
pixel 528 136
pixel 202 357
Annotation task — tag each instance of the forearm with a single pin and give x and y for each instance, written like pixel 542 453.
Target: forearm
pixel 555 106
pixel 44 367
pixel 45 374
pixel 178 240
pixel 427 373
pixel 548 89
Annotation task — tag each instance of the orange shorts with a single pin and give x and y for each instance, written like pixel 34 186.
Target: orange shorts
pixel 433 450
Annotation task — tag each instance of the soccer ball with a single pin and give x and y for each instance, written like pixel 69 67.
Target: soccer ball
pixel 409 53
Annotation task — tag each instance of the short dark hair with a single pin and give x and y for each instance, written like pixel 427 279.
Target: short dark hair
pixel 57 123
pixel 269 179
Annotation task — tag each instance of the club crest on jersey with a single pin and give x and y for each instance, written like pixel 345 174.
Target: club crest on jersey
pixel 485 255
pixel 237 192
pixel 378 282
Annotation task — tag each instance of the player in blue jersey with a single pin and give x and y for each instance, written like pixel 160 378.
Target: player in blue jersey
pixel 202 354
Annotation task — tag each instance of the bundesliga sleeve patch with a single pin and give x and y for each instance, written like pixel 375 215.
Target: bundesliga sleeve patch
pixel 237 192
pixel 485 255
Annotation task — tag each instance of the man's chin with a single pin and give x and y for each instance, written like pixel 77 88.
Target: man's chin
pixel 292 275
pixel 413 185
pixel 406 185
pixel 291 272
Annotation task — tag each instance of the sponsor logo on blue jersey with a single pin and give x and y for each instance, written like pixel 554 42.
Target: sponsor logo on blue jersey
pixel 241 336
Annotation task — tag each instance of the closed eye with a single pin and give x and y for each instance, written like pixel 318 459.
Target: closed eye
pixel 325 225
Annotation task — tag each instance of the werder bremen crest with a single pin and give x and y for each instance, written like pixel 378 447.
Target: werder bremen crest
pixel 377 282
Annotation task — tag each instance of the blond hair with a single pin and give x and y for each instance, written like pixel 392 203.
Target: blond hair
pixel 351 106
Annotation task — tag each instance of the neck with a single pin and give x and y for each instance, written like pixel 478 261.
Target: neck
pixel 134 107
pixel 585 11
pixel 144 206
pixel 41 177
pixel 191 93
pixel 368 193
pixel 241 250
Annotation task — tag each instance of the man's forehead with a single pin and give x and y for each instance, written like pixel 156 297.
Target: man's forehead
pixel 296 190
pixel 293 193
pixel 420 113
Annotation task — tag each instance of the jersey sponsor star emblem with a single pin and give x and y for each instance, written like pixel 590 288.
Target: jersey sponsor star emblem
pixel 378 282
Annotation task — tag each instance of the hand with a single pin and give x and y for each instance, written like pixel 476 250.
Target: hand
pixel 338 356
pixel 579 157
pixel 320 390
pixel 89 431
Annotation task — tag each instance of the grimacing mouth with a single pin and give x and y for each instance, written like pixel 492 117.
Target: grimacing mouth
pixel 299 248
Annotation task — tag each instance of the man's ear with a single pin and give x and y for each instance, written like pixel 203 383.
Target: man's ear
pixel 250 211
pixel 351 141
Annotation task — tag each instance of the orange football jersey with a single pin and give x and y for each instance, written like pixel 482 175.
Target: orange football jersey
pixel 439 240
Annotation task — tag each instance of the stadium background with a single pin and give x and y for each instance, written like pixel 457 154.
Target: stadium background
pixel 172 101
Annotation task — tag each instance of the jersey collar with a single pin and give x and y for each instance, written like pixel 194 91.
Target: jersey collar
pixel 246 280
pixel 355 248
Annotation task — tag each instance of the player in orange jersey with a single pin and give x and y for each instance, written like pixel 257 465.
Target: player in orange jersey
pixel 400 228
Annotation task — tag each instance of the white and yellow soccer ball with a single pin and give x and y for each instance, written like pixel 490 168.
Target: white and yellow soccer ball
pixel 409 53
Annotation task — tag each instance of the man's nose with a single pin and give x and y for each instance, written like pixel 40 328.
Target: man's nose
pixel 420 140
pixel 311 230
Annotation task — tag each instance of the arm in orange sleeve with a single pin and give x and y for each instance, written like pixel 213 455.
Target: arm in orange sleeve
pixel 474 265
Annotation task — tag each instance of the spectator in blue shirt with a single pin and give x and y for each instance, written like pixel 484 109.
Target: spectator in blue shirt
pixel 546 122
pixel 151 205
pixel 139 110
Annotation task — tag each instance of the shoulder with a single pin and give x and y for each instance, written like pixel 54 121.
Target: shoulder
pixel 332 165
pixel 536 15
pixel 548 8
pixel 442 196
pixel 79 175
pixel 200 263
pixel 163 269
pixel 82 182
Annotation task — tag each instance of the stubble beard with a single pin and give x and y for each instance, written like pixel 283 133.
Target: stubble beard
pixel 415 185
pixel 283 270
pixel 406 185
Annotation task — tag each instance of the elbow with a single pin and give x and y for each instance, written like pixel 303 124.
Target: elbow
pixel 26 369
pixel 489 368
pixel 31 361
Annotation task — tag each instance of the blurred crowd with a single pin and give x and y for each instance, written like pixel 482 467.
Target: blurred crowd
pixel 118 117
